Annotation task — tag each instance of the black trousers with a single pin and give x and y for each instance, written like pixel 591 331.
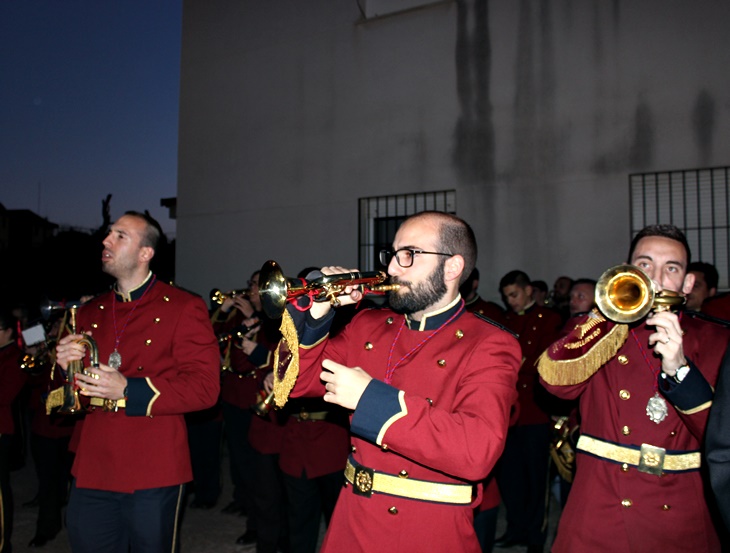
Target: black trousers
pixel 522 475
pixel 205 448
pixel 241 455
pixel 269 510
pixel 100 521
pixel 53 467
pixel 307 500
pixel 6 494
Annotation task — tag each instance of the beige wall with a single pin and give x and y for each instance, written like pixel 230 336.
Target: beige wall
pixel 290 111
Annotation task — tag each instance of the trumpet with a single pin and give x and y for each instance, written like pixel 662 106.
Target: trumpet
pixel 626 294
pixel 34 363
pixel 264 406
pixel 237 332
pixel 67 397
pixel 217 296
pixel 276 290
pixel 49 306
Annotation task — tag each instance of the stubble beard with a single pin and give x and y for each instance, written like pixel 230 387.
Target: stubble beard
pixel 420 296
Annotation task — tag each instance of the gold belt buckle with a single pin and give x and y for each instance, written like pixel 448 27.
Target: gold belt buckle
pixel 363 481
pixel 652 459
pixel 110 405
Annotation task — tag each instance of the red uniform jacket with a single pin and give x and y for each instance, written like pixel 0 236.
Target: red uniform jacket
pixel 491 497
pixel 537 328
pixel 612 507
pixel 442 419
pixel 170 356
pixel 487 308
pixel 12 380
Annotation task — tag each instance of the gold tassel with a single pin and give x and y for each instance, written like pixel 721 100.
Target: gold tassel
pixel 289 344
pixel 54 399
pixel 569 372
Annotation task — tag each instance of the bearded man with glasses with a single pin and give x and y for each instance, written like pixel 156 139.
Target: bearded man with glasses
pixel 430 387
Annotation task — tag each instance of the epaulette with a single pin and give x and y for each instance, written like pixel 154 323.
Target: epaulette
pixel 495 323
pixel 178 287
pixel 576 357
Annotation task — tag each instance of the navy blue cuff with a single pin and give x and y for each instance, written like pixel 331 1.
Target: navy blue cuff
pixel 689 394
pixel 259 356
pixel 139 396
pixel 315 330
pixel 310 330
pixel 378 404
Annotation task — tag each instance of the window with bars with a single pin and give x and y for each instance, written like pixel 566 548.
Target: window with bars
pixel 380 217
pixel 695 200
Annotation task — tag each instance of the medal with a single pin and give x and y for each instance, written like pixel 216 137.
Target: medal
pixel 115 359
pixel 656 408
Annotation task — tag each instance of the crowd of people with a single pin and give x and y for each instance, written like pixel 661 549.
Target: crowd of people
pixel 410 419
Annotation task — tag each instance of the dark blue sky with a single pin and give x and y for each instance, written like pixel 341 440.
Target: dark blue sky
pixel 89 97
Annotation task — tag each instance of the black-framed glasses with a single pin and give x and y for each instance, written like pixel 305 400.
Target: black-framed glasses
pixel 405 256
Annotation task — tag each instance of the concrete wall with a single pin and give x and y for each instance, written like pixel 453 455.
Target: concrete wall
pixel 534 112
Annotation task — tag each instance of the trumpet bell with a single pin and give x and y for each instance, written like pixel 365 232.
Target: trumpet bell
pixel 272 289
pixel 47 307
pixel 625 294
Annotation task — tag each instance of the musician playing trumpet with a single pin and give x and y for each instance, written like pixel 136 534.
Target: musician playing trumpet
pixel 246 361
pixel 645 388
pixel 430 387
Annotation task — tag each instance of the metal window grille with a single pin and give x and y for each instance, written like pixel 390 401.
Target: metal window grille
pixel 380 217
pixel 695 200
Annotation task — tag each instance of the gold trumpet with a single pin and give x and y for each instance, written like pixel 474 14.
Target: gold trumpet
pixel 625 294
pixel 235 333
pixel 67 397
pixel 34 363
pixel 276 290
pixel 264 406
pixel 217 296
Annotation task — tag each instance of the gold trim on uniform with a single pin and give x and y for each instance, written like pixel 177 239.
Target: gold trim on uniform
pixel 154 398
pixel 571 371
pixel 402 413
pixel 365 481
pixel 649 459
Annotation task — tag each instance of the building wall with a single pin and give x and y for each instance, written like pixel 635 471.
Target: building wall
pixel 534 112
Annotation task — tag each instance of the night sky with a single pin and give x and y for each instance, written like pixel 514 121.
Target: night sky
pixel 89 97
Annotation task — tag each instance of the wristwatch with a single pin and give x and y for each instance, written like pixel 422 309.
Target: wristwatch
pixel 681 373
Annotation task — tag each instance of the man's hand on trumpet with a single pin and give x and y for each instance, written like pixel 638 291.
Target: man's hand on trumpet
pixel 352 294
pixel 248 340
pixel 667 340
pixel 104 381
pixel 240 302
pixel 69 349
pixel 344 385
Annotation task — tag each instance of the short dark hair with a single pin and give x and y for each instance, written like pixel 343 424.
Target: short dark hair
pixel 456 237
pixel 152 232
pixel 8 320
pixel 707 269
pixel 664 231
pixel 519 278
pixel 590 281
pixel 540 285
